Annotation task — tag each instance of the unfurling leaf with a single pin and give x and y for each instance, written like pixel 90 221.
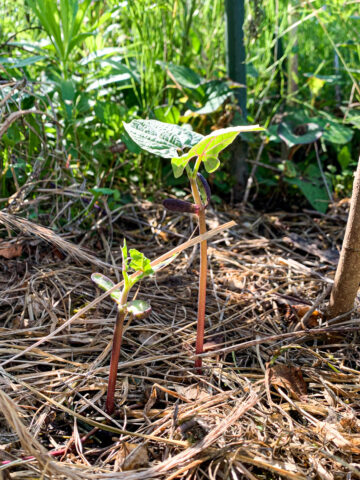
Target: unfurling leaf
pixel 139 309
pixel 106 284
pixel 176 205
pixel 140 263
pixel 210 147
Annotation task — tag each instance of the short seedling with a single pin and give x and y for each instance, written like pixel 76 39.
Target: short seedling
pixel 170 141
pixel 137 308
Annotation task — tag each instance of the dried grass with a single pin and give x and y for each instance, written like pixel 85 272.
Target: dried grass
pixel 243 419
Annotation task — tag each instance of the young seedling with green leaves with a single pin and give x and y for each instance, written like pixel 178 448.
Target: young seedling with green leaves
pixel 136 261
pixel 171 141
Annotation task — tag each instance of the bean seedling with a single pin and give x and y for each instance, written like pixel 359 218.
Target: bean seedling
pixel 136 261
pixel 170 141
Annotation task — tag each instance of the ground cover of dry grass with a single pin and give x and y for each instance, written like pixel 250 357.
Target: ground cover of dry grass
pixel 279 392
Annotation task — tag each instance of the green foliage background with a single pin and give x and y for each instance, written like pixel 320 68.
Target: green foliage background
pixel 90 66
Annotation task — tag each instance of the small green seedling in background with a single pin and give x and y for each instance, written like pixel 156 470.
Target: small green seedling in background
pixel 170 141
pixel 139 309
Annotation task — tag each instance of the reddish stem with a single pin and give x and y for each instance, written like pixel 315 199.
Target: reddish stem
pixel 114 362
pixel 202 279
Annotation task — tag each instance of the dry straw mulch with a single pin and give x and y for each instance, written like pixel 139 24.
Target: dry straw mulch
pixel 279 392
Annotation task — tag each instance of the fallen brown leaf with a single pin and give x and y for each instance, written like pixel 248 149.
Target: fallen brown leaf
pixel 297 312
pixel 10 250
pixel 135 456
pixel 289 377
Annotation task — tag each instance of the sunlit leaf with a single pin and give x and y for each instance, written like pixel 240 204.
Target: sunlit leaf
pixel 139 262
pixel 210 147
pixel 163 139
pixel 106 284
pixel 139 309
pixel 211 164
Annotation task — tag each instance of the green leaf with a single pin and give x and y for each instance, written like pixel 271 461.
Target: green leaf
pixel 121 78
pixel 312 187
pixel 20 63
pixel 210 146
pixel 344 157
pixel 334 132
pixel 216 92
pixel 184 76
pixel 106 284
pixel 139 262
pixel 163 139
pixel 139 309
pixel 167 114
pixel 337 133
pixel 211 164
pixel 102 191
pixel 124 253
pixel 68 90
pixel 178 165
pixel 286 133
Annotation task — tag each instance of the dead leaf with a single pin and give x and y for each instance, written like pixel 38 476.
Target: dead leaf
pixel 135 456
pixel 10 250
pixel 193 429
pixel 214 342
pixel 289 377
pixel 148 338
pixel 294 313
pixel 192 392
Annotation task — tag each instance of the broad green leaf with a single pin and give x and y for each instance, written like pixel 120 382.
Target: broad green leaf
pixel 216 92
pixel 106 284
pixel 336 133
pixel 184 76
pixel 163 139
pixel 313 132
pixel 210 146
pixel 68 90
pixel 312 186
pixel 139 309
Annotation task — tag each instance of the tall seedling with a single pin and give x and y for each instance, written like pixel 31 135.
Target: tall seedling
pixel 136 261
pixel 170 141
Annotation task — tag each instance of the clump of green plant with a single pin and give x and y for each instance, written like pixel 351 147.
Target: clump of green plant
pixel 172 141
pixel 139 309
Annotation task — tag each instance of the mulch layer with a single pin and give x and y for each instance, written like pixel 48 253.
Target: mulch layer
pixel 278 396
